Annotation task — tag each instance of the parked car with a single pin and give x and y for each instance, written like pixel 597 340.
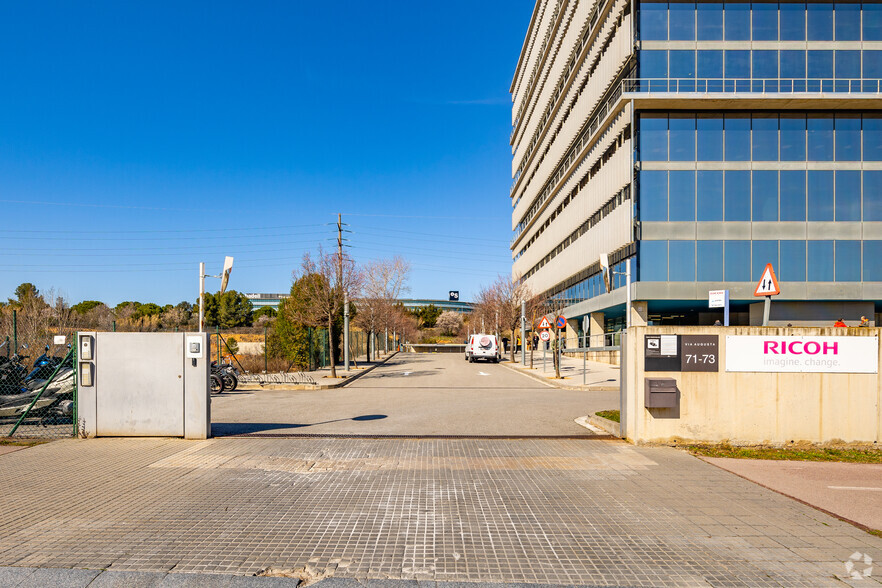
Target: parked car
pixel 482 347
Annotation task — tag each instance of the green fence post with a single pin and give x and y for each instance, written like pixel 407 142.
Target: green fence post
pixel 265 370
pixel 114 326
pixel 309 334
pixel 15 330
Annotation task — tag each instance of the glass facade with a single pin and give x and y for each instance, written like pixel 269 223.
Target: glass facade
pixel 593 286
pixel 760 21
pixel 740 136
pixel 743 70
pixel 744 261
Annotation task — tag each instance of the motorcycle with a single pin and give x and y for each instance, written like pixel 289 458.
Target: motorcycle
pixel 12 373
pixel 56 396
pixel 227 374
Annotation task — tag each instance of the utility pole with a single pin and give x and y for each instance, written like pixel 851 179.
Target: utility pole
pixel 345 294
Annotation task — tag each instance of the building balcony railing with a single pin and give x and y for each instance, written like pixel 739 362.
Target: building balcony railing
pixel 753 85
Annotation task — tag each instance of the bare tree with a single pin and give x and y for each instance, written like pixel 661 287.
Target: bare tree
pixel 450 322
pixel 385 280
pixel 329 275
pixel 501 301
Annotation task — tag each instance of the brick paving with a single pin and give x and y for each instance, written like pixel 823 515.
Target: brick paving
pixel 532 511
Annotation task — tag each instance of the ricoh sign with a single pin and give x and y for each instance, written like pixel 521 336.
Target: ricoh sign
pixel 836 355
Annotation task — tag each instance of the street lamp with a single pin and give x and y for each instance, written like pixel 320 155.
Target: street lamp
pixel 224 278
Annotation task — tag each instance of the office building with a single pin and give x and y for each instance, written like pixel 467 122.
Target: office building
pixel 702 141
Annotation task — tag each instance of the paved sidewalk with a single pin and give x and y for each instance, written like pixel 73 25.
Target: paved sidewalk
pixel 523 511
pixel 597 376
pixel 849 490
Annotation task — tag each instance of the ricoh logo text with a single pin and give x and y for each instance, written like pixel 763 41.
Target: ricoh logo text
pixel 800 348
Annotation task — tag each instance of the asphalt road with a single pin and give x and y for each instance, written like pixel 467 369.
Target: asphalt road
pixel 414 394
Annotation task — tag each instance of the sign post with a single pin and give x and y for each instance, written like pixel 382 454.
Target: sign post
pixel 767 287
pixel 543 327
pixel 719 299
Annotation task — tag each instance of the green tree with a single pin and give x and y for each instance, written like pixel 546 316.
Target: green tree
pixel 228 310
pixel 85 306
pixel 428 315
pixel 264 311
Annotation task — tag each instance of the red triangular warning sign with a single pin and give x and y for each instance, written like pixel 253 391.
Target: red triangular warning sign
pixel 544 324
pixel 768 284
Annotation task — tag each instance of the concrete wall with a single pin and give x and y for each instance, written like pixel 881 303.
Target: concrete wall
pixel 749 407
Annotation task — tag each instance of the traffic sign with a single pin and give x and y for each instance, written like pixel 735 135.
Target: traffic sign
pixel 545 336
pixel 544 324
pixel 768 284
pixel 561 322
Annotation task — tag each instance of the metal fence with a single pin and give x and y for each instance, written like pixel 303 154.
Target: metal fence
pixel 38 395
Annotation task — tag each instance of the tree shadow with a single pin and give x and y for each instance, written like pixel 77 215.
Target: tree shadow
pixel 232 429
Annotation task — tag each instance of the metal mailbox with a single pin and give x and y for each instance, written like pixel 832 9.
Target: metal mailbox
pixel 661 393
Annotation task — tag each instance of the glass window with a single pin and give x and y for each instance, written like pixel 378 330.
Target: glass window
pixel 682 21
pixel 792 261
pixel 710 138
pixel 792 195
pixel 872 21
pixel 873 198
pixel 872 255
pixel 710 21
pixel 737 21
pixel 682 67
pixel 848 21
pixel 710 261
pixel 653 64
pixel 682 138
pixel 654 21
pixel 737 195
pixel 820 138
pixel 872 71
pixel 792 21
pixel 765 195
pixel 765 21
pixel 737 261
pixel 737 64
pixel 872 135
pixel 654 195
pixel 848 195
pixel 820 261
pixel 820 21
pixel 848 67
pixel 765 137
pixel 710 195
pixel 820 67
pixel 765 65
pixel 764 252
pixel 710 69
pixel 848 261
pixel 682 261
pixel 653 138
pixel 737 137
pixel 820 195
pixel 793 64
pixel 848 137
pixel 682 195
pixel 792 137
pixel 654 261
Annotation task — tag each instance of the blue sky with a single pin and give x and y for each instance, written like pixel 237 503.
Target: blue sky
pixel 138 140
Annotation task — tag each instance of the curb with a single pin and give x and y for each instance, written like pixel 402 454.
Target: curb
pixel 611 427
pixel 554 384
pixel 345 382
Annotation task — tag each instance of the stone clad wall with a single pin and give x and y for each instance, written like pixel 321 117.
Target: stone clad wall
pixel 751 407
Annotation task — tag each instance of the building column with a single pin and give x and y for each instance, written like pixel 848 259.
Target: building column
pixel 596 327
pixel 573 333
pixel 639 313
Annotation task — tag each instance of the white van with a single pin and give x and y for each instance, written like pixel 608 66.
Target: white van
pixel 482 347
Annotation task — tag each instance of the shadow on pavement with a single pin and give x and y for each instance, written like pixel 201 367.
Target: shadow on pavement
pixel 228 429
